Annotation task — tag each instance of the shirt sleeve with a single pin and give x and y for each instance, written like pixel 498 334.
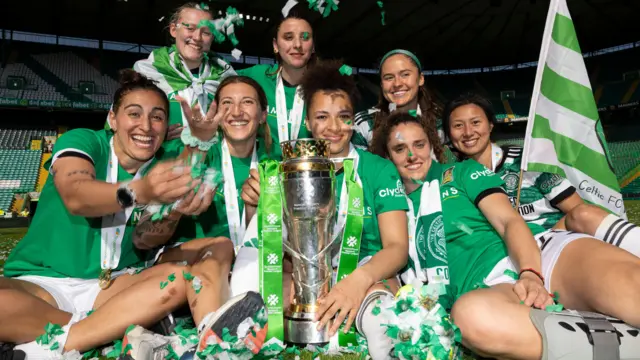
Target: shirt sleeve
pixel 389 189
pixel 363 126
pixel 478 181
pixel 83 142
pixel 554 187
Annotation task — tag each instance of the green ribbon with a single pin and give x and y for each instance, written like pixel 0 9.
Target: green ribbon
pixel 270 246
pixel 351 237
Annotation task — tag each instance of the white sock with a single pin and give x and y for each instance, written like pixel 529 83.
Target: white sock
pixel 35 351
pixel 620 233
pixel 371 327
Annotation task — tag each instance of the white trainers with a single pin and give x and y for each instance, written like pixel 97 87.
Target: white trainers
pixel 141 344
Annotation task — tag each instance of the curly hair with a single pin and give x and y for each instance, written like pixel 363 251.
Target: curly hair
pixel 130 80
pixel 382 132
pixel 325 76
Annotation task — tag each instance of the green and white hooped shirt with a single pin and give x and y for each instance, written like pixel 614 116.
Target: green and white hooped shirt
pixel 59 244
pixel 540 192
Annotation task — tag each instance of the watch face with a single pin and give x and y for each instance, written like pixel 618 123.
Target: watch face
pixel 124 197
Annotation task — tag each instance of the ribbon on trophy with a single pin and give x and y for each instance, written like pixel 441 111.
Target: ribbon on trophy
pixel 352 234
pixel 270 246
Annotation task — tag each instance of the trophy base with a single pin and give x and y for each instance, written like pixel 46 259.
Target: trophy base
pixel 300 330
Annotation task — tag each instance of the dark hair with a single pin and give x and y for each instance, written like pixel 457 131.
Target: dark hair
pixel 131 81
pixel 382 132
pixel 466 99
pixel 325 76
pixel 293 15
pixel 262 100
pixel 175 16
pixel 429 108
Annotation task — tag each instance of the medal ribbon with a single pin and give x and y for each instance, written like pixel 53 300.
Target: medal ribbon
pixel 113 225
pixel 237 226
pixel 351 237
pixel 295 117
pixel 270 246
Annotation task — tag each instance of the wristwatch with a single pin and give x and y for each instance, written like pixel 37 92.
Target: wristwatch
pixel 125 195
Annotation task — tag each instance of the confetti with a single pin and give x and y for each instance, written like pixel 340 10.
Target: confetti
pixel 236 54
pixel 162 18
pixel 346 70
pixel 410 153
pixel 223 28
pixel 512 274
pixel 554 308
pixel 413 113
pixel 187 275
pixel 163 284
pixel 171 277
pixel 196 284
pixel 417 181
pixel 392 107
pixel 305 35
pixel 382 12
pixel 399 136
pixel 287 7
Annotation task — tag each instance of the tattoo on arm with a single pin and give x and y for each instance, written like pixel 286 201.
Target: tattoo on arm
pixel 82 172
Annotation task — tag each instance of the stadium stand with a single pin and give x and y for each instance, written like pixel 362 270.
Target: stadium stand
pixel 35 87
pixel 19 166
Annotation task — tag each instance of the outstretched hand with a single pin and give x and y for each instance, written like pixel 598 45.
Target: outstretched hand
pixel 203 127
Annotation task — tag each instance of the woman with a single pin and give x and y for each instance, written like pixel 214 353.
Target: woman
pixel 79 256
pixel 401 89
pixel 330 99
pixel 294 49
pixel 497 271
pixel 240 114
pixel 545 198
pixel 186 71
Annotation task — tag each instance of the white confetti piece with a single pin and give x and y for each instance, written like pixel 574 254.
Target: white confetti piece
pixel 288 6
pixel 236 54
pixel 162 18
pixel 392 107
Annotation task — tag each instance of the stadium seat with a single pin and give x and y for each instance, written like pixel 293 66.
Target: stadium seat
pixel 37 88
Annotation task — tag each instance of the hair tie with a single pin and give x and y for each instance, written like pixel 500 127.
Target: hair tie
pixel 408 53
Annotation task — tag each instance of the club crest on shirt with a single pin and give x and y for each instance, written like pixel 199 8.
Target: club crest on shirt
pixel 447 176
pixel 511 181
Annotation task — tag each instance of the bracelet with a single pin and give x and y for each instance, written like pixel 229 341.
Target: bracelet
pixel 536 273
pixel 193 141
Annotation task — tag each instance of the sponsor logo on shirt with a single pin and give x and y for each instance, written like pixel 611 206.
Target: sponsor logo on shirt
pixel 397 192
pixel 550 182
pixel 477 174
pixel 447 176
pixel 450 193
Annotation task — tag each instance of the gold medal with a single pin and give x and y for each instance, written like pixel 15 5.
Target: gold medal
pixel 104 280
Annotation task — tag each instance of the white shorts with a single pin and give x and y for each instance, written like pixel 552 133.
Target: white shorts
pixel 72 295
pixel 551 244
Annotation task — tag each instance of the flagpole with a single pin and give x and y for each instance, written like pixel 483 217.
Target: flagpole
pixel 544 49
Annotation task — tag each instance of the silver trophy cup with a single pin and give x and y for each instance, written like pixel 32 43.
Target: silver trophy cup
pixel 308 197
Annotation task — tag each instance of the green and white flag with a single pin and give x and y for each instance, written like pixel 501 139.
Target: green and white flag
pixel 564 134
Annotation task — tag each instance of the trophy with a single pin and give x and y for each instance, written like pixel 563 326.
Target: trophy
pixel 308 198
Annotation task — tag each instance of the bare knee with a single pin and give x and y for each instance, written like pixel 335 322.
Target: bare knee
pixel 475 316
pixel 584 219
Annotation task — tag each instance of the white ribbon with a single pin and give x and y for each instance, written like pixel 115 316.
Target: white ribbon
pixel 237 226
pixel 113 225
pixel 344 202
pixel 295 117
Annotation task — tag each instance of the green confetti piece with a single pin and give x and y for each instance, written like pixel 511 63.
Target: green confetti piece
pixel 131 327
pixel 410 153
pixel 55 346
pixel 380 4
pixel 348 122
pixel 163 284
pixel 556 296
pixel 413 113
pixel 90 312
pixel 346 70
pixel 554 308
pixel 187 275
pixel 305 35
pixel 127 349
pixel 93 353
pixel 521 302
pixel 376 310
pixel 512 274
pixel 117 350
pixel 53 329
pixel 43 339
pixel 172 277
pixel 417 181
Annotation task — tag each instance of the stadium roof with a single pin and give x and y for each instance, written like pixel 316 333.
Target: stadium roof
pixel 444 33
